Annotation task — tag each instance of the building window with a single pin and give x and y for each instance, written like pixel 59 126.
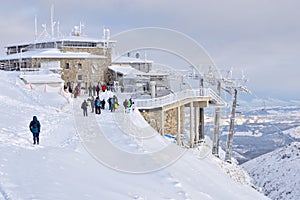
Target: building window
pixel 79 77
pixel 67 66
pixel 79 66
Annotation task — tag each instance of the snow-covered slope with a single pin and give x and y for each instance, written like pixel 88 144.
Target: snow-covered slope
pixel 61 168
pixel 278 173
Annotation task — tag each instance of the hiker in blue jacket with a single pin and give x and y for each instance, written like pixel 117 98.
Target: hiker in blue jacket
pixel 97 106
pixel 35 128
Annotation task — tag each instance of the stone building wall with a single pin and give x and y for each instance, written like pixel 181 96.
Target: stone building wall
pixel 83 70
pixel 171 121
pixel 153 117
pixel 78 70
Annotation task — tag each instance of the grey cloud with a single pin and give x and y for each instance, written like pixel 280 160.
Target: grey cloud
pixel 258 36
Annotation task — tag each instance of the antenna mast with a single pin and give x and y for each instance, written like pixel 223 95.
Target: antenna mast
pixel 52 21
pixel 35 29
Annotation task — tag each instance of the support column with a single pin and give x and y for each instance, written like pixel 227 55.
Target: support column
pixel 201 127
pixel 215 149
pixel 178 126
pixel 182 118
pixel 231 129
pixel 192 136
pixel 153 89
pixel 197 125
pixel 201 113
pixel 162 122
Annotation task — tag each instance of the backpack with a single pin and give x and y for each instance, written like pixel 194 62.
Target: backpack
pixel 35 128
pixel 98 103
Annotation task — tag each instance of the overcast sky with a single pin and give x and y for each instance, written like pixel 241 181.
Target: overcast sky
pixel 260 37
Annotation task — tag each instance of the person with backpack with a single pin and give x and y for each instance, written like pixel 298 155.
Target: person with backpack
pixel 35 128
pixel 97 106
pixel 116 102
pixel 129 105
pixel 112 104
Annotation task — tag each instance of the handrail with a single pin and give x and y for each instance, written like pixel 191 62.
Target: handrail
pixel 216 97
pixel 172 98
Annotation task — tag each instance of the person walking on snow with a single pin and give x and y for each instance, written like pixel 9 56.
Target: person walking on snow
pixel 97 89
pixel 97 106
pixel 128 105
pixel 125 103
pixel 116 102
pixel 90 90
pixel 35 128
pixel 112 104
pixel 92 100
pixel 94 90
pixel 84 106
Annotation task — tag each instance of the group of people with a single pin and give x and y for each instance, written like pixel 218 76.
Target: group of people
pixel 92 90
pixel 113 103
pixel 98 104
pixel 95 89
pixel 128 105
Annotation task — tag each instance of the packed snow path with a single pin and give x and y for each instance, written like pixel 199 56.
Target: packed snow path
pixel 130 143
pixel 95 131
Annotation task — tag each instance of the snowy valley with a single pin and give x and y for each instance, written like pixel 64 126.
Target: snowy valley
pixel 266 143
pixel 263 126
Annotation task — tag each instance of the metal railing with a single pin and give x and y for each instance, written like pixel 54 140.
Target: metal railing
pixel 172 98
pixel 219 101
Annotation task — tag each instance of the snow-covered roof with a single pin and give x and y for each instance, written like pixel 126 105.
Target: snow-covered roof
pixel 50 53
pixel 41 78
pixel 129 60
pixel 126 70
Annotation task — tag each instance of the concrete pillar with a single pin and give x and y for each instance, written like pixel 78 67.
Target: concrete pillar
pixel 192 136
pixel 162 123
pixel 201 122
pixel 178 126
pixel 182 119
pixel 197 128
pixel 153 89
pixel 215 149
pixel 231 129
